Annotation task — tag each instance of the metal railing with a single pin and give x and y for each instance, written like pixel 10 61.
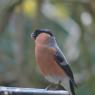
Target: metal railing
pixel 30 91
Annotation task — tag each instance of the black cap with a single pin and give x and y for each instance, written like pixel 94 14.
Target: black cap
pixel 39 31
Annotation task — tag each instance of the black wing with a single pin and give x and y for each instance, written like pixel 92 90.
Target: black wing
pixel 60 59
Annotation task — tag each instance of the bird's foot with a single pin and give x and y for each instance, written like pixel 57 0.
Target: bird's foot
pixel 48 87
pixel 59 87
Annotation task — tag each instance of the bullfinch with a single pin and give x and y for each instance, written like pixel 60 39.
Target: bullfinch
pixel 50 59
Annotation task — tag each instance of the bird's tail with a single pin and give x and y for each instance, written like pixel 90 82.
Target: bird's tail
pixel 72 84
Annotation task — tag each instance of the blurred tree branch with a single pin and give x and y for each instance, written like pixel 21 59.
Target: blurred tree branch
pixel 6 9
pixel 37 19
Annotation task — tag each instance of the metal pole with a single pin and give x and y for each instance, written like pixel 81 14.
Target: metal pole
pixel 30 91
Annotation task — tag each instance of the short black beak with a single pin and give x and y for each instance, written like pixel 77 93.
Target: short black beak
pixel 33 35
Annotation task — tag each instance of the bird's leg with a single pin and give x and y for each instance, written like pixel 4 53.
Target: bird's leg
pixel 59 87
pixel 49 86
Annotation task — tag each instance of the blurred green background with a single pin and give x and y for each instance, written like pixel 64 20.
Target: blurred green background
pixel 73 23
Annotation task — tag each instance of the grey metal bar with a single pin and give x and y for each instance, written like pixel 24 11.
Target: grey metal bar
pixel 30 91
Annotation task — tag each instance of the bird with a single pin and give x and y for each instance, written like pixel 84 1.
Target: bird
pixel 51 60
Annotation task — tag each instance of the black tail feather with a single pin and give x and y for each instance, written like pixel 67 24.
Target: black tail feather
pixel 72 84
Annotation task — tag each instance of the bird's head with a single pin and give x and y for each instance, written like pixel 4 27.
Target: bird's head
pixel 42 35
pixel 38 32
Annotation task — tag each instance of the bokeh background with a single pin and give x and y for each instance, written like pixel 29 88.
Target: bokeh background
pixel 73 23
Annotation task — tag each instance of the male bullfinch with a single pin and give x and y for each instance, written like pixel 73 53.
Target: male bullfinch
pixel 52 63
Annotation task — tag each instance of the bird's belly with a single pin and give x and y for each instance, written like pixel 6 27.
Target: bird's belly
pixel 55 78
pixel 49 68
